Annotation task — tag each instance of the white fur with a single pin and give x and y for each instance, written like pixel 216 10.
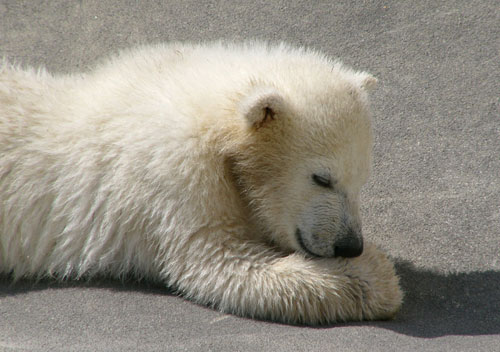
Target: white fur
pixel 129 170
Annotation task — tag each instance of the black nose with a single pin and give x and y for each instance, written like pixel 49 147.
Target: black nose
pixel 349 246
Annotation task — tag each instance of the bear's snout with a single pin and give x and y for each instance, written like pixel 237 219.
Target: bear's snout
pixel 350 245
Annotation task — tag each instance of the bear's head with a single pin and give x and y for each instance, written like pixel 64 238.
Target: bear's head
pixel 306 155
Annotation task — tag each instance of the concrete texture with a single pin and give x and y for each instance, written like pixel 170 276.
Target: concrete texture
pixel 433 201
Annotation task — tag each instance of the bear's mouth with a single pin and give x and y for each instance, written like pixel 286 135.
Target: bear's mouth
pixel 298 236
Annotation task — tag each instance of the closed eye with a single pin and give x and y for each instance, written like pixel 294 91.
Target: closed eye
pixel 322 181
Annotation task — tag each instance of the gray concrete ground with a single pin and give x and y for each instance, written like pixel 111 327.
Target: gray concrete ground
pixel 433 201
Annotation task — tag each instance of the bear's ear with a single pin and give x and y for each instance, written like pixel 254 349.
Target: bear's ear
pixel 261 106
pixel 366 81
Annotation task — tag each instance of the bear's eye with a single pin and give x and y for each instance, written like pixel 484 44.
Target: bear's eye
pixel 322 181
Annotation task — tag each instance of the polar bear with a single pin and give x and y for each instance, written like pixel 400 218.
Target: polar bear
pixel 230 172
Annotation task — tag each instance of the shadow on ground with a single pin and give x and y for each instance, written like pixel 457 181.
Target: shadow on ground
pixel 10 288
pixel 438 304
pixel 435 305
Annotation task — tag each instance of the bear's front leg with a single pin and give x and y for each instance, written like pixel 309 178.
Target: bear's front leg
pixel 250 280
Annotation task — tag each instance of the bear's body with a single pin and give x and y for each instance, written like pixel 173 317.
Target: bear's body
pixel 231 172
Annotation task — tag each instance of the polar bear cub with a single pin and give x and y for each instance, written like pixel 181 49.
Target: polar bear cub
pixel 231 172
